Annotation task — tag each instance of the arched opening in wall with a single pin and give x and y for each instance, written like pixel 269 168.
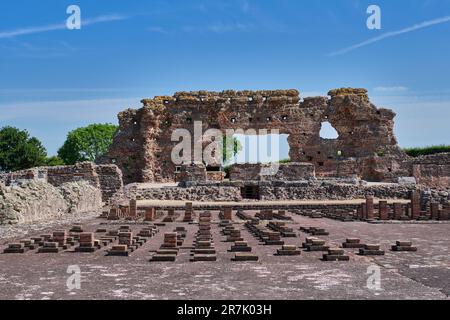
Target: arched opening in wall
pixel 270 148
pixel 327 131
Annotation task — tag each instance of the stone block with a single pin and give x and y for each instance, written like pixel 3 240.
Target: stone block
pixel 243 256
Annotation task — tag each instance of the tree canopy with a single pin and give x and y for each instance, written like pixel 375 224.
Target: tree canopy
pixel 87 143
pixel 19 151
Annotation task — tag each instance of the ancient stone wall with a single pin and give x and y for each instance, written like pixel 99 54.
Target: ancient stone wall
pixel 142 146
pixel 307 190
pixel 331 191
pixel 433 170
pixel 107 178
pixel 284 172
pixel 35 200
pixel 192 172
pixel 110 180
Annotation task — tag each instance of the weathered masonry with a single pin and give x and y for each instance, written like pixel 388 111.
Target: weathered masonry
pixel 366 146
pixel 106 178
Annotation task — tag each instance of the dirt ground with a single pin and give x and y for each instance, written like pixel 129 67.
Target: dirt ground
pixel 424 274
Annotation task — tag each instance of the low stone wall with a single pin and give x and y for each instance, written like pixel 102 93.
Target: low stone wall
pixel 441 196
pixel 32 200
pixel 199 193
pixel 328 191
pixel 107 178
pixel 313 190
pixel 284 172
pixel 433 170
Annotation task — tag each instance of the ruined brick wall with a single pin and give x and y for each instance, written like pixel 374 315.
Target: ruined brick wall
pixel 308 190
pixel 286 172
pixel 110 180
pixel 84 171
pixel 192 172
pixel 433 170
pixel 107 178
pixel 143 145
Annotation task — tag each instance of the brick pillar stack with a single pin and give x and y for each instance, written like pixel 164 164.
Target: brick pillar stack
pixel 113 214
pixel 188 212
pixel 370 208
pixel 398 211
pixel 87 243
pixel 133 208
pixel 415 205
pixel 434 210
pixel 150 214
pixel 228 213
pixel 383 210
pixel 60 236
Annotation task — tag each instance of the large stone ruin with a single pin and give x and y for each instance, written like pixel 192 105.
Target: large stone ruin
pixel 366 147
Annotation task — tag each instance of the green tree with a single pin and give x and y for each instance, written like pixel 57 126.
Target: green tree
pixel 87 143
pixel 19 151
pixel 54 161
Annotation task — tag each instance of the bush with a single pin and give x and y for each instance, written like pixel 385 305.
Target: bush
pixel 416 152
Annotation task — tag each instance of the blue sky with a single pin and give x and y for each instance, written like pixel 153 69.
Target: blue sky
pixel 53 80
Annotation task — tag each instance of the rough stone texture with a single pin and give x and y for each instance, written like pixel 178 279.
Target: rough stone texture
pixel 107 178
pixel 81 196
pixel 333 191
pixel 31 201
pixel 285 172
pixel 307 190
pixel 192 172
pixel 143 145
pixel 110 180
pixel 432 170
pixel 197 193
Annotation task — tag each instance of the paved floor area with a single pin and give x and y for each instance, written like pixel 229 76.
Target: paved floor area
pixel 424 274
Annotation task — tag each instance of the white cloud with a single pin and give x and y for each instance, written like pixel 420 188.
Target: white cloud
pixel 391 34
pixel 62 26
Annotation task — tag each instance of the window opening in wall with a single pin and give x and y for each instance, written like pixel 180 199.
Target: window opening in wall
pixel 327 131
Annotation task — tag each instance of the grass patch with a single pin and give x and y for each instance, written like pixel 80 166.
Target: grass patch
pixel 416 152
